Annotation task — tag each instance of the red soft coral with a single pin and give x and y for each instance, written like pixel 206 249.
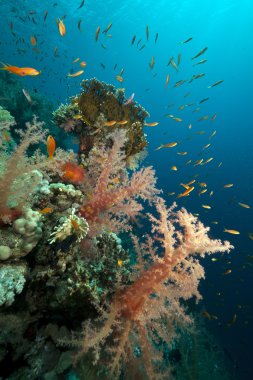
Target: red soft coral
pixel 150 309
pixel 114 197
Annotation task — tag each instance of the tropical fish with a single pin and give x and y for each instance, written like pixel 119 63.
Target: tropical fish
pixel 81 5
pixel 228 271
pixel 107 28
pixel 250 234
pixel 233 232
pixel 186 41
pixel 27 95
pixel 79 25
pixel 213 117
pixel 46 210
pixel 228 185
pixel 61 27
pixel 243 205
pixel 83 64
pixel 33 40
pixel 178 119
pixel 200 62
pixel 133 39
pixel 119 78
pixel 76 60
pixel 214 133
pixel 152 63
pixel 200 53
pixel 186 192
pixel 216 83
pixel 197 76
pixel 233 320
pixel 80 72
pixel 142 47
pixel 21 71
pixel 110 123
pixel 147 32
pixel 178 59
pixel 206 206
pixel 156 38
pixel 203 100
pixel 97 33
pixel 173 168
pixel 173 64
pixel 51 145
pixel 169 145
pixel 122 122
pixel 152 124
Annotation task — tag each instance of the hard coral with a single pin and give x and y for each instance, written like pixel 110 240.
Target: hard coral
pixel 150 309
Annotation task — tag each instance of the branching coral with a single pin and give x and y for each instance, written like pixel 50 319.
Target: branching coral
pixel 113 197
pixel 150 309
pixel 19 174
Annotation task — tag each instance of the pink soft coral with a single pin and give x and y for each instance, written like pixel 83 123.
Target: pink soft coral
pixel 150 309
pixel 114 197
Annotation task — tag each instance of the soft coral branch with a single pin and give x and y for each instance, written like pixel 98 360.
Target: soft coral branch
pixel 116 197
pixel 156 294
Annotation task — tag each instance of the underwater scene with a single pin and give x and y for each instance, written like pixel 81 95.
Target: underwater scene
pixel 126 179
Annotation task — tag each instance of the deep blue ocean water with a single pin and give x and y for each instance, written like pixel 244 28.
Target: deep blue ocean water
pixel 225 27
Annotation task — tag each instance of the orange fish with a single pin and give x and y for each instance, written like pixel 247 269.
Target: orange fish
pixel 83 64
pixel 119 78
pixel 186 192
pixel 152 124
pixel 21 71
pixel 50 146
pixel 110 123
pixel 33 40
pixel 61 27
pixel 72 173
pixel 46 210
pixel 76 74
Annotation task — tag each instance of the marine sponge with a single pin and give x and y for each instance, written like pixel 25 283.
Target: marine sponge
pixel 12 280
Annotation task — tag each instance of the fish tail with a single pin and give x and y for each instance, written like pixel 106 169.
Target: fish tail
pixel 5 66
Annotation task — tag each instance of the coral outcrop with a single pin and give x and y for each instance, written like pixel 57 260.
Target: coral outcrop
pixel 74 287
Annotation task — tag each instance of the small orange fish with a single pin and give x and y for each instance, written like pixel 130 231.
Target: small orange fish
pixel 122 122
pixel 83 64
pixel 186 192
pixel 80 72
pixel 21 71
pixel 51 145
pixel 110 123
pixel 76 60
pixel 46 210
pixel 33 40
pixel 233 232
pixel 173 168
pixel 228 271
pixel 61 27
pixel 153 124
pixel 206 206
pixel 119 78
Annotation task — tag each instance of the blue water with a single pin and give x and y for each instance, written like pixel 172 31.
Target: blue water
pixel 225 27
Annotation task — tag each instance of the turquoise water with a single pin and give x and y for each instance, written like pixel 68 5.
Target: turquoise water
pixel 225 27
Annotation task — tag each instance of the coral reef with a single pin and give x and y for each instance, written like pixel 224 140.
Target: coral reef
pixel 74 289
pixel 96 111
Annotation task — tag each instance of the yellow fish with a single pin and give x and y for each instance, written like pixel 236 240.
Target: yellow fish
pixel 233 232
pixel 206 206
pixel 243 205
pixel 80 72
pixel 153 124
